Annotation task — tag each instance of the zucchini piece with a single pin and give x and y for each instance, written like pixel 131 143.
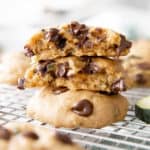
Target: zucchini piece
pixel 142 109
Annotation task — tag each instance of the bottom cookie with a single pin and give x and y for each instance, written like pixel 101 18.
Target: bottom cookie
pixel 72 109
pixel 24 136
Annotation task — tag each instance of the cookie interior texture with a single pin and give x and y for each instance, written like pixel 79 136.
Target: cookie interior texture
pixel 18 136
pixel 78 40
pixel 71 109
pixel 98 73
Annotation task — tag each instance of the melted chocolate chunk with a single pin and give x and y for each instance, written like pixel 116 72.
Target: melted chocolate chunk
pixel 61 42
pixel 92 68
pixel 31 135
pixel 60 90
pixel 83 108
pixel 28 51
pixel 78 30
pixel 117 86
pixel 62 69
pixel 63 138
pixel 21 82
pixel 4 133
pixel 53 35
pixel 42 69
pixel 144 66
pixel 45 66
pixel 139 78
pixel 124 44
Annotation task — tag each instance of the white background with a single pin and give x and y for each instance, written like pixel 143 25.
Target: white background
pixel 19 19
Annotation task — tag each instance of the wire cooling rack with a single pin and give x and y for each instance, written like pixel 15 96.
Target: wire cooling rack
pixel 130 134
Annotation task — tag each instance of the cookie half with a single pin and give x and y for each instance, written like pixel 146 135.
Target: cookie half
pixel 78 40
pixel 72 109
pixel 24 136
pixel 88 73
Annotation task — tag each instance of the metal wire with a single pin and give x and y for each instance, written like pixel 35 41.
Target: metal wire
pixel 128 134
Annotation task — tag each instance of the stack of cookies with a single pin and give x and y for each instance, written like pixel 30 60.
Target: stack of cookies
pixel 80 78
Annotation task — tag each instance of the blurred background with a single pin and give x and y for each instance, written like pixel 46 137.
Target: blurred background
pixel 19 19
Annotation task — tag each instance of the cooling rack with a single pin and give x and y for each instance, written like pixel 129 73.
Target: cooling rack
pixel 130 134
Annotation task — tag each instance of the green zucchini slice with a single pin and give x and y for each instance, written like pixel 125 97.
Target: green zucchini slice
pixel 142 109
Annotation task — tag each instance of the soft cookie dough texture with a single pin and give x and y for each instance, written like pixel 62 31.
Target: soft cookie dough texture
pixel 24 136
pixel 13 66
pixel 89 73
pixel 71 109
pixel 77 40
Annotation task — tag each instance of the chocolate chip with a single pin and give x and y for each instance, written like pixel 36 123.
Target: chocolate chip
pixel 45 66
pixel 28 51
pixel 53 35
pixel 42 69
pixel 63 138
pixel 83 108
pixel 139 78
pixel 78 30
pixel 144 66
pixel 62 69
pixel 21 82
pixel 118 85
pixel 60 90
pixel 43 30
pixel 61 42
pixel 4 133
pixel 31 135
pixel 91 68
pixel 124 44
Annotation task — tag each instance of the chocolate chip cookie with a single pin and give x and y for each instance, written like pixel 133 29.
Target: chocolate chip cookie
pixel 12 67
pixel 24 136
pixel 88 73
pixel 138 71
pixel 72 109
pixel 141 48
pixel 78 40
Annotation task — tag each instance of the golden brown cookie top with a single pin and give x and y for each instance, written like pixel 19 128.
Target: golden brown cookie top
pixel 78 40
